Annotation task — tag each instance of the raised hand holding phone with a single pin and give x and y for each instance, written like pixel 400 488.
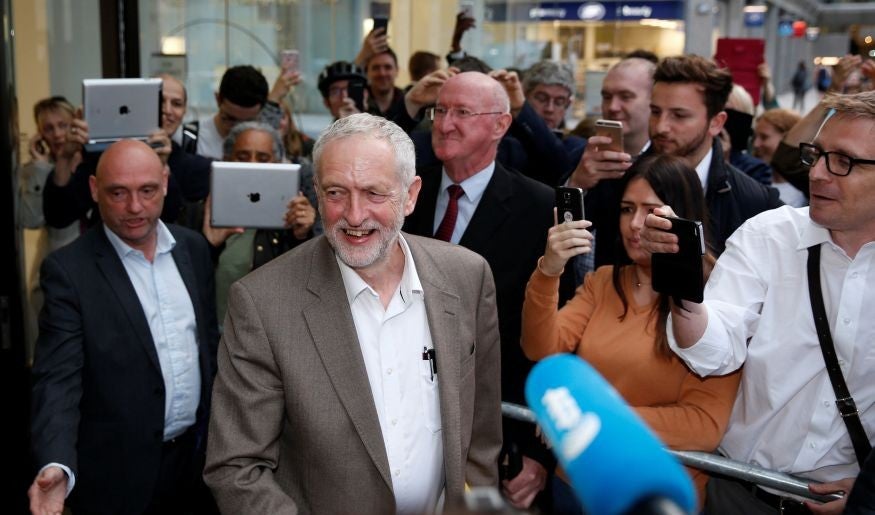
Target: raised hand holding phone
pixel 603 158
pixel 610 129
pixel 680 274
pixel 569 237
pixel 356 91
pixel 38 149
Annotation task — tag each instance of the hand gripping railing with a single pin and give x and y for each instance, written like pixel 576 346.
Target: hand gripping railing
pixel 713 463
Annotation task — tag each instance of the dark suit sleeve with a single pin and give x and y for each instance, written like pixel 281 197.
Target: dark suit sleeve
pixel 207 281
pixel 63 205
pixel 192 172
pixel 482 467
pixel 57 369
pixel 547 158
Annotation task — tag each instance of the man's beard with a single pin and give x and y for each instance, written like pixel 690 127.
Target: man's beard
pixel 684 151
pixel 362 257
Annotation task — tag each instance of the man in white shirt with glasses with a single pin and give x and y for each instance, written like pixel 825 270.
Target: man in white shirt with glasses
pixel 758 313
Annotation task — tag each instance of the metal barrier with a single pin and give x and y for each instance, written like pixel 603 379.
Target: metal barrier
pixel 712 463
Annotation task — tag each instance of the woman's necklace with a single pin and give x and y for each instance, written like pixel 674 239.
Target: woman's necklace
pixel 638 282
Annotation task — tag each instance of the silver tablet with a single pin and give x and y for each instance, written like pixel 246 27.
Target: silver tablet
pixel 252 195
pixel 118 109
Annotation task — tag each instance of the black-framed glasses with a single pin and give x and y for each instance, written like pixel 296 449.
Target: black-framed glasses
pixel 837 163
pixel 459 113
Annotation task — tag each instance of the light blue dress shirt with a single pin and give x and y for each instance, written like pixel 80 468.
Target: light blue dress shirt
pixel 170 314
pixel 474 187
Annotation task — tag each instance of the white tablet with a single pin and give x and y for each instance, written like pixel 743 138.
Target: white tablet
pixel 117 109
pixel 252 195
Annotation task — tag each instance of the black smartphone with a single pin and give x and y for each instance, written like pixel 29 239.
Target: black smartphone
pixel 680 275
pixel 42 147
pixel 381 22
pixel 356 91
pixel 569 204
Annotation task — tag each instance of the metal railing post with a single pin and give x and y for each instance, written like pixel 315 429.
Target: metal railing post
pixel 712 463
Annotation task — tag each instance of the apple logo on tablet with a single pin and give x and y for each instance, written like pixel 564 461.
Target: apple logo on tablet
pixel 123 110
pixel 254 197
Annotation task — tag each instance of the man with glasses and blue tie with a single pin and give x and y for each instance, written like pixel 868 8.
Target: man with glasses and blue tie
pixel 472 200
pixel 791 299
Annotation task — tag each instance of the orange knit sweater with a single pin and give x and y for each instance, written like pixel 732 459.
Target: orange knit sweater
pixel 686 411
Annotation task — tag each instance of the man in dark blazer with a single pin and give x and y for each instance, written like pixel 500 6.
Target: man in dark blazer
pixel 504 217
pixel 358 372
pixel 126 353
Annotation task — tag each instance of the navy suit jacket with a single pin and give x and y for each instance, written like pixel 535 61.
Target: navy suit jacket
pixel 98 394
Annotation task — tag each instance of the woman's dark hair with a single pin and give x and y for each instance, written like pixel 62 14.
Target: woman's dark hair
pixel 678 186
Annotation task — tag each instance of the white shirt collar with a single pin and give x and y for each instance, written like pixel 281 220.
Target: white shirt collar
pixel 812 234
pixel 474 186
pixel 166 242
pixel 703 167
pixel 355 285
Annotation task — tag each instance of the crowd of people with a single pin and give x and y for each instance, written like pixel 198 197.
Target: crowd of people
pixel 356 360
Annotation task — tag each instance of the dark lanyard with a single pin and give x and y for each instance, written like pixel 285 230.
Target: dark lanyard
pixel 844 402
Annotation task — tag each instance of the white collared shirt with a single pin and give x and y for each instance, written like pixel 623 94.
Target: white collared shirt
pixel 474 188
pixel 405 393
pixel 704 167
pixel 759 315
pixel 170 314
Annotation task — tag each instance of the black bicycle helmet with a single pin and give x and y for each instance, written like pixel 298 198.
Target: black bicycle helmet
pixel 340 70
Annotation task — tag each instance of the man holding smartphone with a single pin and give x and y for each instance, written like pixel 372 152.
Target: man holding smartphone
pixel 381 66
pixel 338 83
pixel 686 115
pixel 761 311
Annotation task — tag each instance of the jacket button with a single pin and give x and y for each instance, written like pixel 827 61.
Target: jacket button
pixel 259 248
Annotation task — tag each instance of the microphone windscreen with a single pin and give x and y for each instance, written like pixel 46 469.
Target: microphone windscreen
pixel 612 459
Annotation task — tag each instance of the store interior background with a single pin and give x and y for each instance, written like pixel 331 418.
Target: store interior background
pixel 55 44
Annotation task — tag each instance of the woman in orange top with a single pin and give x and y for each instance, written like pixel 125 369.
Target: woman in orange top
pixel 617 322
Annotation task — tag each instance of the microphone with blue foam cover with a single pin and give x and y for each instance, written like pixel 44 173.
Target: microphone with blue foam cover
pixel 613 460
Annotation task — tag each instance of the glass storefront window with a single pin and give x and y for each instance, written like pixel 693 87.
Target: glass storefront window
pixel 589 36
pixel 215 34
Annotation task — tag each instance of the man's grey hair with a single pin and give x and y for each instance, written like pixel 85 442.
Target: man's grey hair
pixel 279 151
pixel 379 128
pixel 548 73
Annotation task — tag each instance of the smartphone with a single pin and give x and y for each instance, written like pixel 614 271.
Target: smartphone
pixel 356 91
pixel 381 22
pixel 41 147
pixel 289 60
pixel 680 275
pixel 611 129
pixel 569 204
